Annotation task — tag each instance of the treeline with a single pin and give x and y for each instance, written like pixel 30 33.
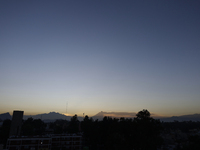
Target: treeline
pixel 185 126
pixel 142 132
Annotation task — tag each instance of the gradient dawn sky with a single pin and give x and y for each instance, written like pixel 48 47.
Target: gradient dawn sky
pixel 80 57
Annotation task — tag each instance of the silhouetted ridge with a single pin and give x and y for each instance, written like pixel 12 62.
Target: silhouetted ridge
pixel 192 117
pixel 5 116
pixel 102 114
pixel 47 116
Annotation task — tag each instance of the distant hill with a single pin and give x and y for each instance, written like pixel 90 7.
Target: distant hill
pixel 45 116
pixel 102 114
pixel 52 116
pixel 193 117
pixel 5 116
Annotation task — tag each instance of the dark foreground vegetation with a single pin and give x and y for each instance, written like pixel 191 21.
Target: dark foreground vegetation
pixel 140 133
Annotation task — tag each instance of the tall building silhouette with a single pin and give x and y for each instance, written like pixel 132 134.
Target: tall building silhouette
pixel 16 123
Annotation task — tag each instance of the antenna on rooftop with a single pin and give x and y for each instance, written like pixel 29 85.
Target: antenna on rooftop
pixel 66 110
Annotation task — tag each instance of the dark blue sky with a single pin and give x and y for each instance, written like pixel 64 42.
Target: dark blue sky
pixel 100 55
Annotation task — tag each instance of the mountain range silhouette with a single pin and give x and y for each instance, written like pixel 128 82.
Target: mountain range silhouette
pixel 52 116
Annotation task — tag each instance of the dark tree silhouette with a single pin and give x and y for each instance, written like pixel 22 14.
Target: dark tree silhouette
pixel 147 134
pixel 4 131
pixel 74 125
pixel 59 126
pixel 144 114
pixel 33 127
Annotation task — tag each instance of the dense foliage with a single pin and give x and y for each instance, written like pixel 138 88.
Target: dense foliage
pixel 141 132
pixel 33 127
pixel 4 131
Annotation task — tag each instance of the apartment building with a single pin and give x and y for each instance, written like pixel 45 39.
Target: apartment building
pixel 51 142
